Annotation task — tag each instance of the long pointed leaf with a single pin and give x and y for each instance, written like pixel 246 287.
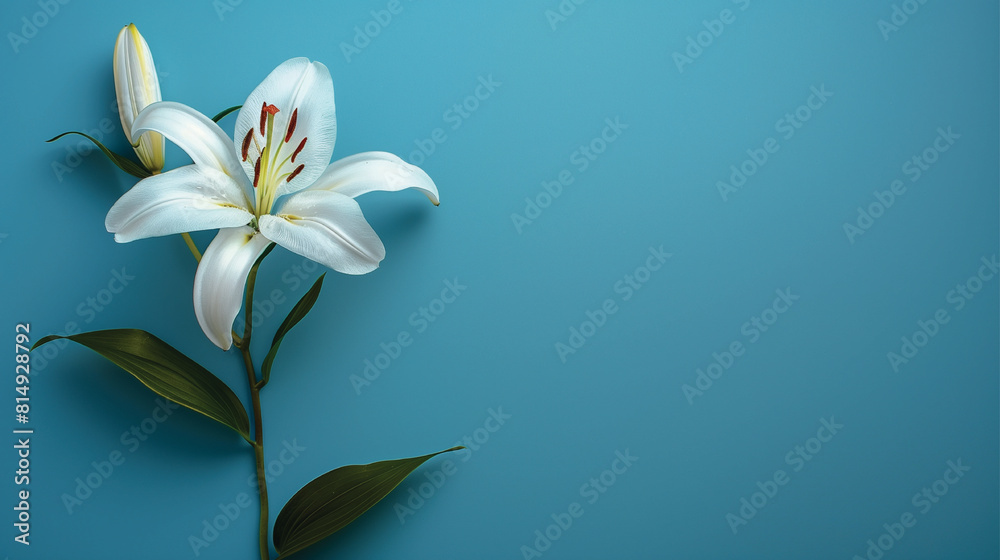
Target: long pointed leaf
pixel 167 372
pixel 335 499
pixel 123 163
pixel 294 316
pixel 222 114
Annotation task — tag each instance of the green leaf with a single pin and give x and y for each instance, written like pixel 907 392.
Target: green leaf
pixel 167 372
pixel 223 114
pixel 335 499
pixel 294 316
pixel 123 163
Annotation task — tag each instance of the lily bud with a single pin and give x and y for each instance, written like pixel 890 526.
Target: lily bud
pixel 137 86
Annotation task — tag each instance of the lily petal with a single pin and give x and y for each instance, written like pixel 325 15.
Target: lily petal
pixel 374 171
pixel 220 279
pixel 196 134
pixel 299 87
pixel 188 198
pixel 328 228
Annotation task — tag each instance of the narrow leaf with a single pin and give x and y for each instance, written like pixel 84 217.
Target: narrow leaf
pixel 123 163
pixel 223 114
pixel 294 316
pixel 167 372
pixel 335 499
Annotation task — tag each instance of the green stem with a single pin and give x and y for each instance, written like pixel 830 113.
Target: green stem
pixel 258 424
pixel 191 246
pixel 258 449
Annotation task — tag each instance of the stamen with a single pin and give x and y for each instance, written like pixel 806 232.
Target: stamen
pixel 291 125
pixel 302 144
pixel 256 173
pixel 266 110
pixel 246 143
pixel 296 172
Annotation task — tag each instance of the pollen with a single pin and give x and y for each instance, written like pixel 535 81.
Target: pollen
pixel 256 173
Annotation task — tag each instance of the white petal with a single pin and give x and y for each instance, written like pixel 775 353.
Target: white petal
pixel 328 228
pixel 374 171
pixel 136 86
pixel 294 84
pixel 220 279
pixel 188 198
pixel 196 134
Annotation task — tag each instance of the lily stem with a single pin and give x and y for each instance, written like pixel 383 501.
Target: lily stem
pixel 258 449
pixel 258 424
pixel 192 246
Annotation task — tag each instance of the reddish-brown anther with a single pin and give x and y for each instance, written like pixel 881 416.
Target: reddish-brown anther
pixel 296 172
pixel 256 173
pixel 291 125
pixel 246 143
pixel 302 144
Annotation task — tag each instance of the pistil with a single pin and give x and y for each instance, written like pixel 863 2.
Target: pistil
pixel 268 172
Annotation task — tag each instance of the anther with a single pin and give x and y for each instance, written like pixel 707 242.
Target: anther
pixel 256 173
pixel 246 143
pixel 291 125
pixel 302 144
pixel 296 172
pixel 263 117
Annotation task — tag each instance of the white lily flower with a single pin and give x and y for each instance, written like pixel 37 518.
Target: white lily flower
pixel 137 86
pixel 270 183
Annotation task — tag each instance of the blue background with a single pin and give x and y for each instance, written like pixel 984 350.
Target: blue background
pixel 495 347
